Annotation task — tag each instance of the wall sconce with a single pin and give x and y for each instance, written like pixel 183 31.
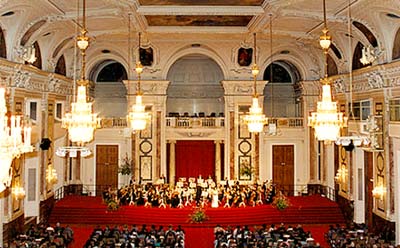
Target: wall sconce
pixel 341 174
pixel 379 191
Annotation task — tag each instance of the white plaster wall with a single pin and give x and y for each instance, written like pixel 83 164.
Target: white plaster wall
pixel 59 163
pixel 292 136
pixel 31 208
pixel 103 137
pixel 394 131
pixel 359 196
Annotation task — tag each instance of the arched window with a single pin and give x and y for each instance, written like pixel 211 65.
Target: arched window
pixel 3 48
pixel 113 72
pixel 60 67
pixel 280 96
pixel 396 46
pixel 280 74
pixel 110 91
pixel 368 34
pixel 357 56
pixel 332 67
pixel 38 54
pixel 336 51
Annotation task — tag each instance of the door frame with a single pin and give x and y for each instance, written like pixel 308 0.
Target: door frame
pixel 95 162
pixel 271 161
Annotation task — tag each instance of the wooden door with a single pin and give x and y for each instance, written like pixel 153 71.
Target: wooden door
pixel 106 167
pixel 283 168
pixel 369 175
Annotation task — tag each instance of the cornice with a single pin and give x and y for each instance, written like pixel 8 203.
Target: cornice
pixel 32 79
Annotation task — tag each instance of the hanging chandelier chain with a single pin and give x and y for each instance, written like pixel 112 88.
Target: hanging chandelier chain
pixel 271 69
pixel 139 64
pixel 350 61
pixel 255 64
pixel 129 52
pixel 324 6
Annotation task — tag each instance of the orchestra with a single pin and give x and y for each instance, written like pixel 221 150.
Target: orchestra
pixel 193 192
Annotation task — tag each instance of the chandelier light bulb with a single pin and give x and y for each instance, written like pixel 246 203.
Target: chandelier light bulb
pixel 139 67
pixel 255 70
pixel 81 122
pixel 138 117
pixel 255 120
pixel 325 40
pixel 327 121
pixel 82 41
pixel 15 139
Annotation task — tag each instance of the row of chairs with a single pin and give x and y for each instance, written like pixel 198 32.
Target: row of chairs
pixel 200 114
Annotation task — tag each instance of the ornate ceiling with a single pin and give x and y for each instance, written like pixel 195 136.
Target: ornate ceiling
pixel 297 24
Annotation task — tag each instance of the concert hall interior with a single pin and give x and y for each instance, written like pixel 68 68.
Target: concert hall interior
pixel 251 112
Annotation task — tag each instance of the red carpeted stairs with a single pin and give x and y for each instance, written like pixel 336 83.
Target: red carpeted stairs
pixel 90 211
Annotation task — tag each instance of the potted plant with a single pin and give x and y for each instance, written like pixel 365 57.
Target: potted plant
pixel 112 205
pixel 198 216
pixel 125 168
pixel 281 202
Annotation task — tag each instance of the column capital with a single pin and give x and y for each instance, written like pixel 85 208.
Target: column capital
pixel 171 141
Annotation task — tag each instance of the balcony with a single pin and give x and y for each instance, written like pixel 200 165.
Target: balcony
pixel 195 122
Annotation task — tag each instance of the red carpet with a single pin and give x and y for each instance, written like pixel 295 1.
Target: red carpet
pixel 89 211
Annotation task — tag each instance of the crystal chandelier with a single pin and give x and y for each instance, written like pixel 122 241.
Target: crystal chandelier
pixel 368 56
pixel 255 119
pixel 137 117
pixel 14 141
pixel 81 122
pixel 51 174
pixel 327 121
pixel 350 142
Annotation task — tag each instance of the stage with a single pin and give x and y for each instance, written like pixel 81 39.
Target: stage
pixel 85 212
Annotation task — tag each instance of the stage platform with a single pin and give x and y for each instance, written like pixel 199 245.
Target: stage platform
pixel 91 210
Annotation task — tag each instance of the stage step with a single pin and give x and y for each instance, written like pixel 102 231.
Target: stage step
pixel 91 211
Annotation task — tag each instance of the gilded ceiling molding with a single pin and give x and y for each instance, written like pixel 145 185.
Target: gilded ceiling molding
pixel 200 10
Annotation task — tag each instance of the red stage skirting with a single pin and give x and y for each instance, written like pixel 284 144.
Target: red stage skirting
pixel 78 210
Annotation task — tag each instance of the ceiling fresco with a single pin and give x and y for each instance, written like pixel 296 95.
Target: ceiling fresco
pixel 189 20
pixel 203 2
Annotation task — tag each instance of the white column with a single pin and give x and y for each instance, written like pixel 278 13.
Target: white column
pixel 358 185
pixel 1 219
pixel 330 166
pixel 217 161
pixel 172 162
pixel 396 157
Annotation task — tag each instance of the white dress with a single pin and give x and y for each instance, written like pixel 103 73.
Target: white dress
pixel 214 199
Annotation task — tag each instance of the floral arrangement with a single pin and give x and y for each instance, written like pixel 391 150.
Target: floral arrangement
pixel 281 202
pixel 125 167
pixel 198 216
pixel 112 205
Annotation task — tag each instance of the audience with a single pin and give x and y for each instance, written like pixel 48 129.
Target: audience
pixel 44 236
pixel 357 235
pixel 274 236
pixel 136 237
pixel 201 193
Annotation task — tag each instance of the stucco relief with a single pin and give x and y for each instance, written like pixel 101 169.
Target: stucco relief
pixel 375 80
pixel 339 85
pixel 20 78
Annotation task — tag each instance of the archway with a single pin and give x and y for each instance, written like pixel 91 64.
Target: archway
pixel 396 46
pixel 195 87
pixel 3 48
pixel 60 67
pixel 281 98
pixel 110 92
